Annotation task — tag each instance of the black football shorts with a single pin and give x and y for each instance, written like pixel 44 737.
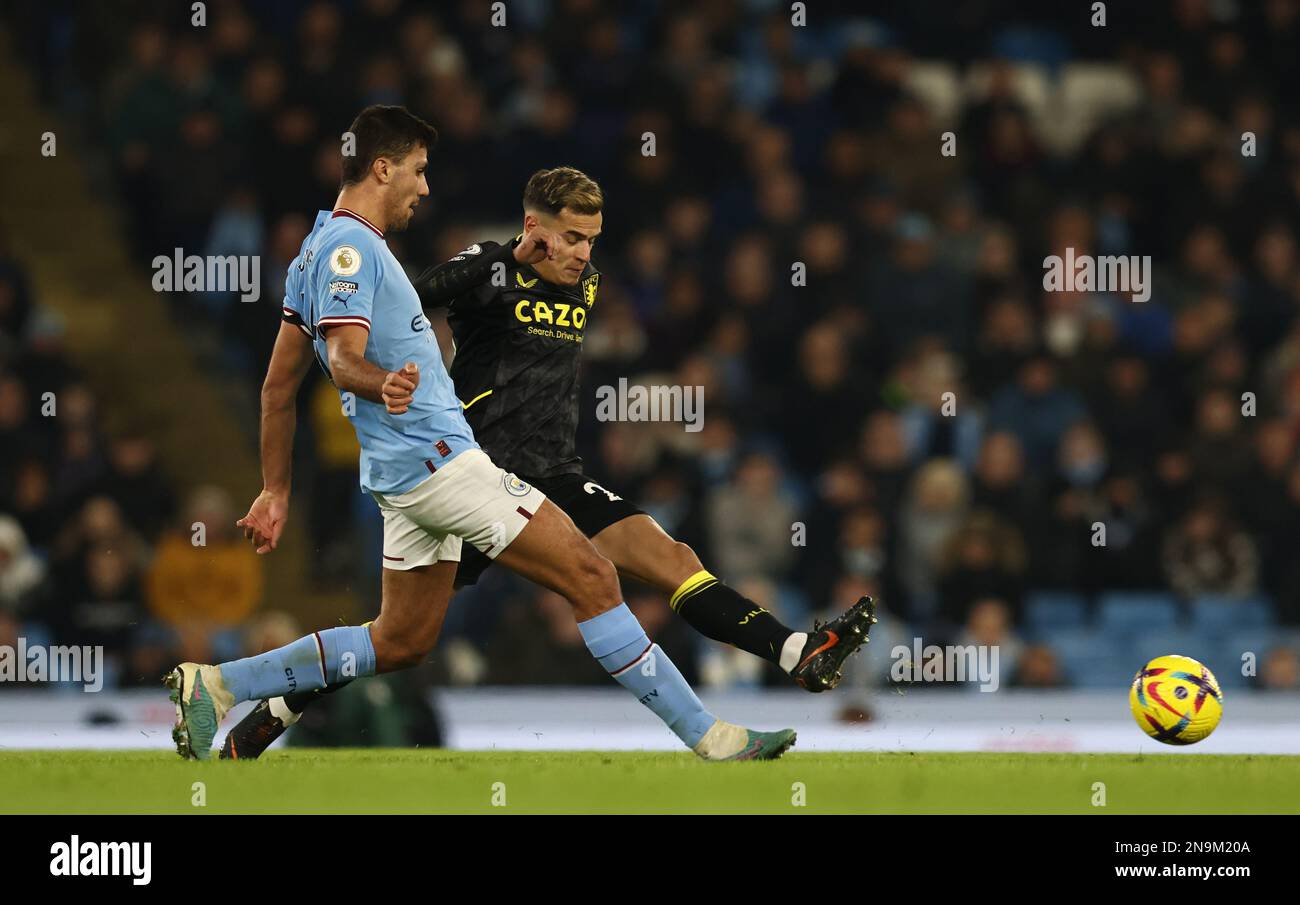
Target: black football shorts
pixel 591 506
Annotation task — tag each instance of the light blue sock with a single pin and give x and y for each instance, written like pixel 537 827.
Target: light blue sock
pixel 618 642
pixel 313 661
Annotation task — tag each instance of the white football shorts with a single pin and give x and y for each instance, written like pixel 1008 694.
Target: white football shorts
pixel 469 498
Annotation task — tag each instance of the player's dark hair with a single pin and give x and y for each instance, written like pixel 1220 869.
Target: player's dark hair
pixel 554 190
pixel 384 131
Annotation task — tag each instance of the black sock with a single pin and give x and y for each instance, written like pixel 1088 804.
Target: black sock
pixel 299 701
pixel 719 612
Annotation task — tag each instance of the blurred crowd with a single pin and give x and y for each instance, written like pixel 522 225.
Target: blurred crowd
pixel 94 547
pixel 915 418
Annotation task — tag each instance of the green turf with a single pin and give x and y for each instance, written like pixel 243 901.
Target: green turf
pixel 427 781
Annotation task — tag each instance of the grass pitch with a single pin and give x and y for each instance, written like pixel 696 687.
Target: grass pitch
pixel 334 781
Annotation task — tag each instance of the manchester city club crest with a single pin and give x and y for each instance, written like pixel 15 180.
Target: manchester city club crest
pixel 514 486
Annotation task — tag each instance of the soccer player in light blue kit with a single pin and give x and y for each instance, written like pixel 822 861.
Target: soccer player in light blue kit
pixel 349 305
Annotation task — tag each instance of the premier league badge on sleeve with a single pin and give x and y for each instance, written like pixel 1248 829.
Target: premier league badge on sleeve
pixel 345 260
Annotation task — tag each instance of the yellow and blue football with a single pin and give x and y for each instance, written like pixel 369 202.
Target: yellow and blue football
pixel 1176 700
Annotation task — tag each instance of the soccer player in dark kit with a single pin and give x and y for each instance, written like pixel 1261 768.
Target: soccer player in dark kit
pixel 518 314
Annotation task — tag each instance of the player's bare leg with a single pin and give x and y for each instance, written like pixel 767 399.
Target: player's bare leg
pixel 641 549
pixel 411 614
pixel 553 553
pixel 412 611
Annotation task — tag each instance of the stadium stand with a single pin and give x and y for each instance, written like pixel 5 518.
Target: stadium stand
pixel 925 273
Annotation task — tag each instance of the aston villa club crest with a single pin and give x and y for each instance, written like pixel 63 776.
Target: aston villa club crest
pixel 589 288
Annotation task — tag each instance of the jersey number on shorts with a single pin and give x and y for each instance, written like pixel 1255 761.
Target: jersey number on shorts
pixel 592 487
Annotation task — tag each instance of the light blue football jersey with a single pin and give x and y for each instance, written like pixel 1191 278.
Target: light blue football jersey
pixel 345 274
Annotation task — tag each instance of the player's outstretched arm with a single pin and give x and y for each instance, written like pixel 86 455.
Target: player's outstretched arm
pixel 442 284
pixel 290 360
